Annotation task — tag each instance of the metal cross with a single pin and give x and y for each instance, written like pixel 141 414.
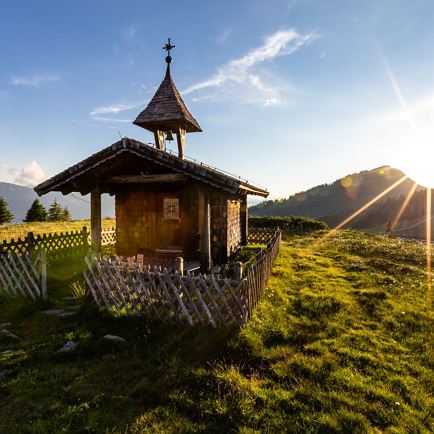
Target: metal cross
pixel 168 47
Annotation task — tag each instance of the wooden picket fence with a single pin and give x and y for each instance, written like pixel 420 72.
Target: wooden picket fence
pixel 260 235
pixel 200 299
pixel 258 272
pixel 22 275
pixel 108 237
pixel 56 244
pixel 134 288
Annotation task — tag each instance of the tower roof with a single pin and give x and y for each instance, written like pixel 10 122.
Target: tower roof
pixel 167 110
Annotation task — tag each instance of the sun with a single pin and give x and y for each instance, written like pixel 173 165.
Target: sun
pixel 420 168
pixel 411 138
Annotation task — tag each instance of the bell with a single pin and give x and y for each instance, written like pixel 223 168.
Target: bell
pixel 169 136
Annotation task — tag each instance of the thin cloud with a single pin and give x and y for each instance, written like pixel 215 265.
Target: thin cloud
pixel 224 36
pixel 114 108
pixel 103 113
pixel 108 119
pixel 128 33
pixel 273 102
pixel 281 43
pixel 6 169
pixel 36 80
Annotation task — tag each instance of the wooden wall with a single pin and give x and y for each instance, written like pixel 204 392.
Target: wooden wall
pixel 139 219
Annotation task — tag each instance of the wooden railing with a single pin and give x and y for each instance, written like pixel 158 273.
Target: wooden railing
pixel 134 288
pixel 22 275
pixel 56 244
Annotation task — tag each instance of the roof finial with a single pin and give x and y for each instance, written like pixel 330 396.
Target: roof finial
pixel 168 47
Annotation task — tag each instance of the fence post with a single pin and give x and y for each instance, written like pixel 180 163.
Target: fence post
pixel 238 271
pixel 43 271
pixel 31 243
pixel 179 265
pixel 85 236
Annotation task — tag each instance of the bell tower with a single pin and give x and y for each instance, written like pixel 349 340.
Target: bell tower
pixel 167 113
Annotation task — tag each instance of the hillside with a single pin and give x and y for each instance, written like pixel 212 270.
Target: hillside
pixel 334 202
pixel 20 198
pixel 339 343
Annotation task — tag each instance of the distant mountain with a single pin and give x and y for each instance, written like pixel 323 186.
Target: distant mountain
pixel 20 198
pixel 334 202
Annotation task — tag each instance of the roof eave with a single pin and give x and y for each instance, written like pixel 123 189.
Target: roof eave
pixel 153 126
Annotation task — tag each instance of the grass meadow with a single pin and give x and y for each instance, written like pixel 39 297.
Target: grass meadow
pixel 341 342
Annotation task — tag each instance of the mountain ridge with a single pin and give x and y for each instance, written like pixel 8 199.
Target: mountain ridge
pixel 334 202
pixel 19 198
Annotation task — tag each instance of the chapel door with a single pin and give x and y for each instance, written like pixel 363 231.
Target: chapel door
pixel 170 237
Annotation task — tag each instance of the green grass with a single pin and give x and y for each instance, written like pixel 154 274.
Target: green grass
pixel 339 343
pixel 7 232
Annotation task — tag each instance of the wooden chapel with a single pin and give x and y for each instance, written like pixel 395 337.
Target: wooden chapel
pixel 166 204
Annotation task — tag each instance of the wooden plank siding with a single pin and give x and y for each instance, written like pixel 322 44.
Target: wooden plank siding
pixel 142 229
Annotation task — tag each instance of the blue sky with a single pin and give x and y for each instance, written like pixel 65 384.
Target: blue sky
pixel 290 94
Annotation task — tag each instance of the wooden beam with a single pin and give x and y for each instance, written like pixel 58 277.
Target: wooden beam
pixel 207 233
pixel 148 179
pixel 159 139
pixel 180 137
pixel 204 229
pixel 244 216
pixel 95 219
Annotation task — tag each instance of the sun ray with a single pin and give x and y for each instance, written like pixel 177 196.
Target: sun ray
pixel 401 99
pixel 358 212
pixel 404 205
pixel 370 203
pixel 429 263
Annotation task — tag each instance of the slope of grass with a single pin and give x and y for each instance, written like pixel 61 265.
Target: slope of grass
pixel 339 343
pixel 7 232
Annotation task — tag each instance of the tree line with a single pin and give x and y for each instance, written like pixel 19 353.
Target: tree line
pixel 37 212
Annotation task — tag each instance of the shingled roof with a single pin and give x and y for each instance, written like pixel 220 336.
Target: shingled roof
pixel 167 107
pixel 93 168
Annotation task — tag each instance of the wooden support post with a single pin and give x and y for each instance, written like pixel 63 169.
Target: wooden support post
pixel 95 219
pixel 244 215
pixel 31 243
pixel 179 265
pixel 204 229
pixel 180 138
pixel 159 139
pixel 207 233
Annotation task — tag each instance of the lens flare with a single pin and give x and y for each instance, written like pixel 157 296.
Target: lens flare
pixel 420 169
pixel 419 166
pixel 371 202
pixel 429 275
pixel 404 206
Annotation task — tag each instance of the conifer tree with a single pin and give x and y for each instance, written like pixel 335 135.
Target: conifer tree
pixel 56 212
pixel 36 213
pixel 5 215
pixel 66 214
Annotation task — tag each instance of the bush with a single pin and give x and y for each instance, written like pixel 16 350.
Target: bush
pixel 289 225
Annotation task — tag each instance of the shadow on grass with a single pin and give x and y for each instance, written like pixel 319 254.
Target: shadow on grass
pixel 102 385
